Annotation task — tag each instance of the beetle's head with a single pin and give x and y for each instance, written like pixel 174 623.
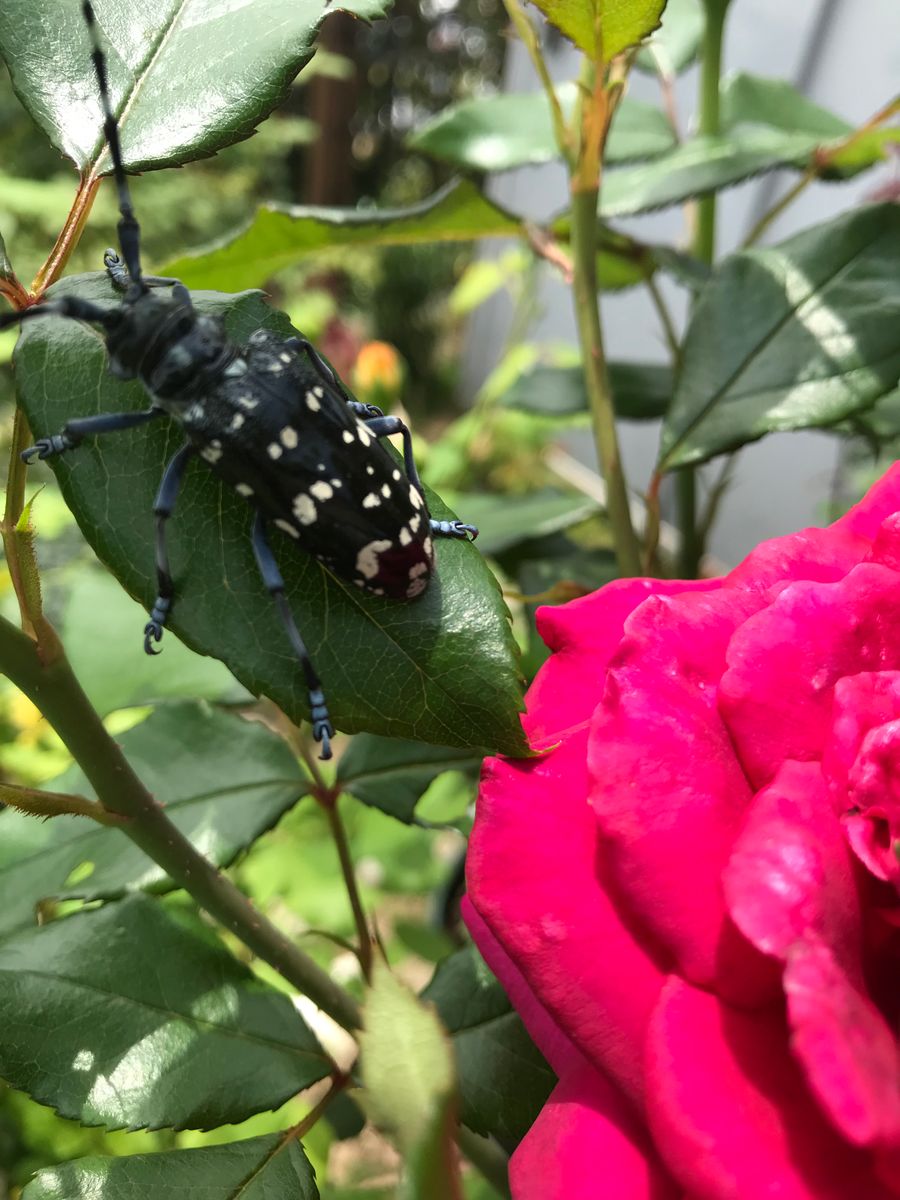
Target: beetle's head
pixel 158 336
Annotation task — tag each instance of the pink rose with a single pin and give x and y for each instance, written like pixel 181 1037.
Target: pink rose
pixel 691 896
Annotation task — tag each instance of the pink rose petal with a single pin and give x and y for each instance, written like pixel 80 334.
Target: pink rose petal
pixel 583 636
pixel 848 1053
pixel 667 788
pixel 731 1114
pixel 532 876
pixel 587 1144
pixel 783 664
pixel 790 875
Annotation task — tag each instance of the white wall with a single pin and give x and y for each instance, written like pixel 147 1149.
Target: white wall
pixel 825 48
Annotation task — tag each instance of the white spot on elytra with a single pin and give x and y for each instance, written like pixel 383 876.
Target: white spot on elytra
pixel 247 401
pixel 417 569
pixel 336 483
pixel 275 450
pixel 304 509
pixel 405 536
pixel 285 357
pixel 312 403
pixel 364 436
pixel 347 435
pixel 415 496
pixel 213 452
pixel 396 474
pixel 417 587
pixel 243 489
pixel 428 546
pixel 322 490
pixel 414 522
pixel 386 490
pixel 287 527
pixel 237 367
pixel 370 470
pixel 195 413
pixel 318 391
pixel 275 367
pixel 236 422
pixel 289 437
pixel 371 501
pixel 367 559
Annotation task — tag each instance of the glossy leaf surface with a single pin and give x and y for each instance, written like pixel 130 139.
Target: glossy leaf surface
pixel 641 391
pixel 441 669
pixel 392 774
pixel 195 1042
pixel 261 1168
pixel 508 520
pixel 497 133
pixel 223 781
pixel 280 235
pixel 504 1079
pixel 796 336
pixel 701 165
pixel 187 77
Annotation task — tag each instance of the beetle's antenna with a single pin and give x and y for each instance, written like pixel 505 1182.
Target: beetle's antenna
pixel 129 230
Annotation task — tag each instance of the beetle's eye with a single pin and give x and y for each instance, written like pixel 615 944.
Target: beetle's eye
pixel 183 327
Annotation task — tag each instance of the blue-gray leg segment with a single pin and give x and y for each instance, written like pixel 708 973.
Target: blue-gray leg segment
pixel 121 280
pixel 163 508
pixel 323 730
pixel 385 427
pixel 75 431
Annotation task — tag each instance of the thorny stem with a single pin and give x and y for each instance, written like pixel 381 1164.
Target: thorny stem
pixel 339 834
pixel 69 236
pixel 704 246
pixel 585 186
pixel 57 693
pixel 527 33
pixel 54 804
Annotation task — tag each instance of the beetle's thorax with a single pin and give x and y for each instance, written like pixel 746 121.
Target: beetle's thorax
pixel 176 352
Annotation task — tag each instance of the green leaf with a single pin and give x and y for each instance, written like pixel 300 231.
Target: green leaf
pixel 224 782
pixel 504 1080
pixel 497 133
pixel 701 165
pixel 280 235
pixel 261 1168
pixel 677 41
pixel 795 336
pixel 441 669
pixel 129 1018
pixel 505 521
pixel 99 614
pixel 392 775
pixel 641 391
pixel 751 99
pixel 408 1071
pixel 188 77
pixel 603 28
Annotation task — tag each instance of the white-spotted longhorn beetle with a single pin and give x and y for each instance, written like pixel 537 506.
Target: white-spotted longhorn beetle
pixel 270 417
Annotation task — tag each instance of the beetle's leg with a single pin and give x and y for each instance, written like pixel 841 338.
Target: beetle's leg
pixel 75 431
pixel 163 507
pixel 304 346
pixel 272 578
pixel 384 427
pixel 121 280
pixel 365 412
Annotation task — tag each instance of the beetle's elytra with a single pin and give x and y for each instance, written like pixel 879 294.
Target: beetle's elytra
pixel 270 417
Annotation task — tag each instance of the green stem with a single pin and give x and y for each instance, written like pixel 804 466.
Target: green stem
pixel 596 374
pixel 58 694
pixel 339 834
pixel 527 33
pixel 704 247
